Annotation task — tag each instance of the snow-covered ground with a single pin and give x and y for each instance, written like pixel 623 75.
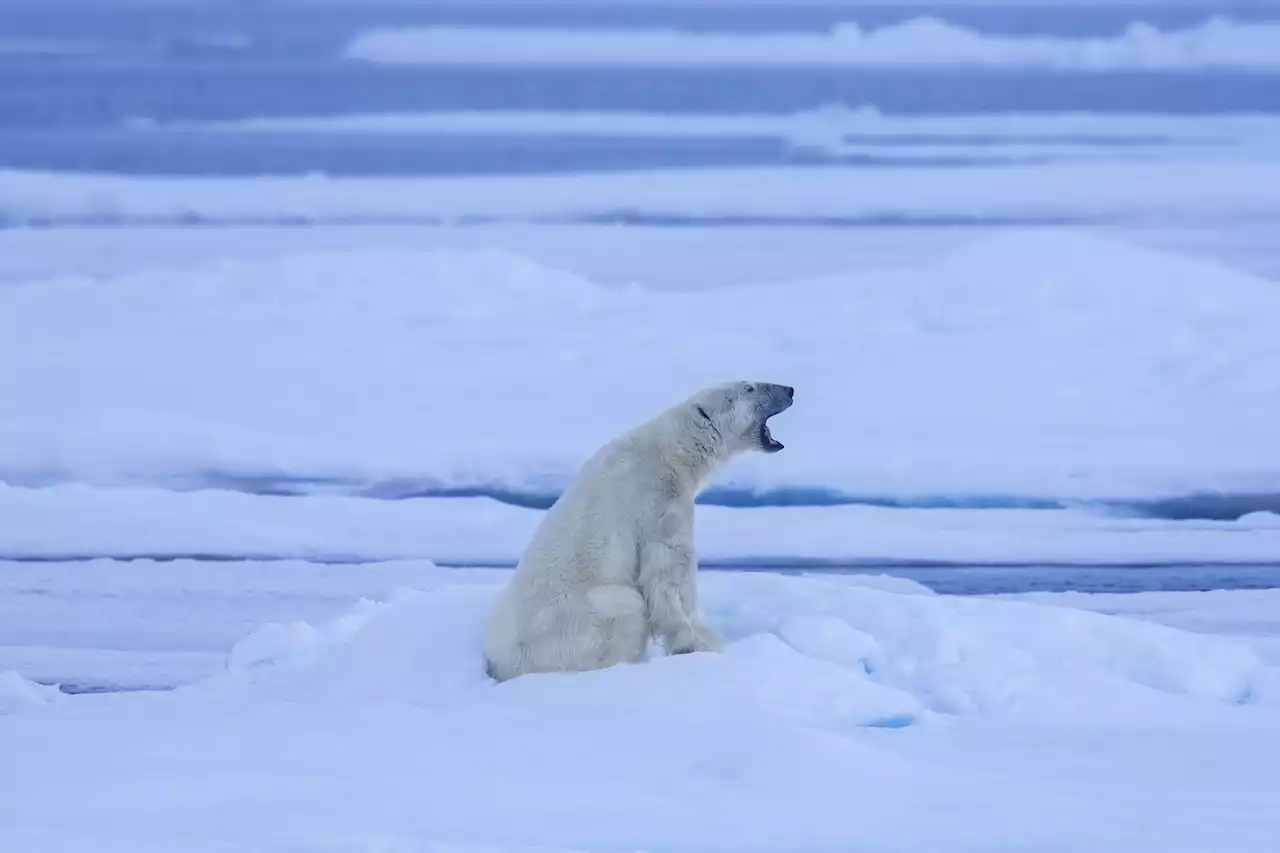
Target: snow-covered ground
pixel 848 713
pixel 919 42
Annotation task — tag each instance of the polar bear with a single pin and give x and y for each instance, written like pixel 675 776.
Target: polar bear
pixel 612 563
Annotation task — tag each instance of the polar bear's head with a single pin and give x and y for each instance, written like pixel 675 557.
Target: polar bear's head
pixel 737 414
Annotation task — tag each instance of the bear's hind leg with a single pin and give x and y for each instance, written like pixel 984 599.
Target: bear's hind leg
pixel 617 630
pixel 602 627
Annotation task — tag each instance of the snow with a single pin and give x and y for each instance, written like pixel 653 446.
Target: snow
pixel 1253 616
pixel 105 625
pixel 17 694
pixel 661 257
pixel 1205 186
pixel 909 652
pixel 1216 43
pixel 147 624
pixel 843 710
pixel 390 373
pixel 75 520
pixel 664 258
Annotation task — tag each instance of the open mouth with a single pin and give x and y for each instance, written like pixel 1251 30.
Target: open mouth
pixel 767 441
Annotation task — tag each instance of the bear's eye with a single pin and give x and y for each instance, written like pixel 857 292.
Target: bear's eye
pixel 750 388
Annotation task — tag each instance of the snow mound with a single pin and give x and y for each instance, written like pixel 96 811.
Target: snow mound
pixel 965 656
pixel 828 653
pixel 419 647
pixel 1216 43
pixel 17 694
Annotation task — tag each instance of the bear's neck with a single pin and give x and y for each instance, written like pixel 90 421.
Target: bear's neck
pixel 694 452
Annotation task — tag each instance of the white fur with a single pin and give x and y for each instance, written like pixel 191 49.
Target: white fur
pixel 613 561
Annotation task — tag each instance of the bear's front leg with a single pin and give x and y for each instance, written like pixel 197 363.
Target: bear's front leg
pixel 667 582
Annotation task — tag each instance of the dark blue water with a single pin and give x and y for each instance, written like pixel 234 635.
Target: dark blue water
pixel 221 60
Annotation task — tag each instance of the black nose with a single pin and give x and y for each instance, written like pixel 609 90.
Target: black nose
pixel 791 392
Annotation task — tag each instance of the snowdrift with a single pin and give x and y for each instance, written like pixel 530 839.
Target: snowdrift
pixel 845 651
pixel 17 694
pixel 1029 368
pixel 1217 43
